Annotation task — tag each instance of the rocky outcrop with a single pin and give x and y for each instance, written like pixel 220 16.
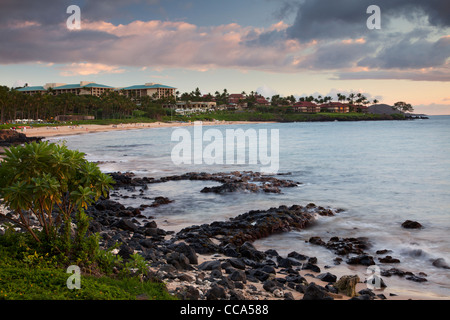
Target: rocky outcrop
pixel 233 266
pixel 236 181
pixel 347 247
pixel 407 274
pixel 408 224
pixel 347 285
pixel 249 227
pixel 12 137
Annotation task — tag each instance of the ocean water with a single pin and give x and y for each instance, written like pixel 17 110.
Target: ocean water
pixel 380 172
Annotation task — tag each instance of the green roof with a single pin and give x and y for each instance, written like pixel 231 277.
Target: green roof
pixel 155 86
pixel 78 86
pixel 36 88
pixel 95 85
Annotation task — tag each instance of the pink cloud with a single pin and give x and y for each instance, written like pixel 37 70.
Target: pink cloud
pixel 181 44
pixel 83 69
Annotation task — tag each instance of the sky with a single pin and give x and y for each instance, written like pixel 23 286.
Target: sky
pixel 286 47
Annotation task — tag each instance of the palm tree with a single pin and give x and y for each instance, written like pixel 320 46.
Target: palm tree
pixel 3 102
pixel 351 98
pixel 318 99
pixel 38 103
pixel 341 97
pixel 197 93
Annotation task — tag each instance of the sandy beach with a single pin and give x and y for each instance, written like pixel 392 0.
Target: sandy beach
pixel 65 130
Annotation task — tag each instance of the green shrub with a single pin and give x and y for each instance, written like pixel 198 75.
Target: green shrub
pixel 54 185
pixel 21 283
pixel 27 273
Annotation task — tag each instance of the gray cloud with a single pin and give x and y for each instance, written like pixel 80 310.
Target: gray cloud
pixel 269 38
pixel 111 9
pixel 330 19
pixel 433 75
pixel 52 44
pixel 286 9
pixel 337 55
pixel 45 12
pixel 407 54
pixel 326 19
pixel 50 12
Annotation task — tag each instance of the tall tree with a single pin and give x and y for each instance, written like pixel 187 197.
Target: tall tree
pixel 4 96
pixel 403 106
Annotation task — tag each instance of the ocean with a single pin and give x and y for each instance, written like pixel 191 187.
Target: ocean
pixel 380 172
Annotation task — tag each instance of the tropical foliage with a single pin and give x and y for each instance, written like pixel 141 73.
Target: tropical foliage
pixel 47 106
pixel 403 107
pixel 52 185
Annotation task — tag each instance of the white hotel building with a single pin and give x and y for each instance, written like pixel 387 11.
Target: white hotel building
pixel 90 88
pixel 149 89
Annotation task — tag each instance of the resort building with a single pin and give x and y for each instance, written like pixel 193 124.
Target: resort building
pixel 84 88
pixel 32 90
pixel 260 100
pixel 336 107
pixel 153 90
pixel 236 101
pixel 236 98
pixel 306 106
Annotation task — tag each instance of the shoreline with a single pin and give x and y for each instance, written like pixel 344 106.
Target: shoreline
pixel 221 242
pixel 67 130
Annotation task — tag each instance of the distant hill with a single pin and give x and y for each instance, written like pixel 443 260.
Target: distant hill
pixel 383 109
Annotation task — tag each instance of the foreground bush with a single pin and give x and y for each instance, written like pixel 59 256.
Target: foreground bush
pixel 28 272
pixel 52 185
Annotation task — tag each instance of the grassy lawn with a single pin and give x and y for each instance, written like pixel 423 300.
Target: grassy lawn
pixel 19 282
pixel 283 117
pixel 28 275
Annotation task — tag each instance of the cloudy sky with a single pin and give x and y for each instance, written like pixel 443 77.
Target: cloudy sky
pixel 301 47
